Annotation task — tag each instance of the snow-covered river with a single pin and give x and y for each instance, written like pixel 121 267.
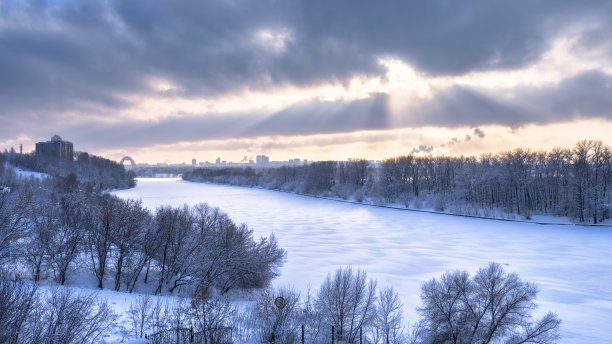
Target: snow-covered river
pixel 571 265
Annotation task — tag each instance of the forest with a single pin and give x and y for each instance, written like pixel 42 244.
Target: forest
pixel 574 183
pixel 57 228
pixel 94 173
pixel 53 227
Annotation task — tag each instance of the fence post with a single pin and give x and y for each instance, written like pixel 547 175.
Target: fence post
pixel 302 333
pixel 191 334
pixel 360 336
pixel 332 334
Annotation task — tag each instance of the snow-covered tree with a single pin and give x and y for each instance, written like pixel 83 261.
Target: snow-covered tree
pixel 491 307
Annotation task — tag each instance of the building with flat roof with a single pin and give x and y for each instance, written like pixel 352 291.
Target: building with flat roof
pixel 56 148
pixel 262 159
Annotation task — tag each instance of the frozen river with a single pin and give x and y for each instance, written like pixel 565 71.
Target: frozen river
pixel 571 265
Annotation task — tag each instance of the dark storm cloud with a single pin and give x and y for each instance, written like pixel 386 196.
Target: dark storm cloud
pixel 66 56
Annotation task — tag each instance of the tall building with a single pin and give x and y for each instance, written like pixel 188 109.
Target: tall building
pixel 262 159
pixel 194 162
pixel 56 148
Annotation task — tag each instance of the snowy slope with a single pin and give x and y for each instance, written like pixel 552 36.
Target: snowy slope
pixel 572 265
pixel 27 174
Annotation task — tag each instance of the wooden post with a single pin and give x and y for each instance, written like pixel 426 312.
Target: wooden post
pixel 360 336
pixel 332 334
pixel 302 333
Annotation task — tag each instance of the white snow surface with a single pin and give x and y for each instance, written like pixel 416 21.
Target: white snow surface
pixel 572 265
pixel 27 174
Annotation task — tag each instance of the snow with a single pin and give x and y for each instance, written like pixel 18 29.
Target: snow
pixel 572 265
pixel 27 174
pixel 119 302
pixel 138 341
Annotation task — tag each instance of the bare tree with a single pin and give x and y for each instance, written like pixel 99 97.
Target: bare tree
pixel 102 229
pixel 132 219
pixel 43 224
pixel 18 302
pixel 388 321
pixel 140 314
pixel 277 316
pixel 179 245
pixel 315 328
pixel 13 225
pixel 211 313
pixel 69 317
pixel 146 246
pixel 66 238
pixel 491 307
pixel 347 301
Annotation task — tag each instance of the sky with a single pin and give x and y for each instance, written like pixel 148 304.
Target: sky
pixel 168 81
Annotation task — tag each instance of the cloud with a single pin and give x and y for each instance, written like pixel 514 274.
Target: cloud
pixel 69 55
pixel 582 97
pixel 316 117
pixel 586 95
pixel 307 118
pixel 79 68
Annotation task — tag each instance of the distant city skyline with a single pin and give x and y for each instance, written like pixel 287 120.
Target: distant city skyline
pixel 173 81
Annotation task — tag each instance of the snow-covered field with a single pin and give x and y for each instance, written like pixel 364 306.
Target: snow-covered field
pixel 572 265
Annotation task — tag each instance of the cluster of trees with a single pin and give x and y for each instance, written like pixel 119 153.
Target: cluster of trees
pixel 50 229
pixel 94 173
pixel 490 307
pixel 576 183
pixel 58 315
pixel 54 230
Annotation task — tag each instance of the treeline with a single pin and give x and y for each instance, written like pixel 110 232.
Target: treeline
pixel 576 183
pixel 94 173
pixel 53 231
